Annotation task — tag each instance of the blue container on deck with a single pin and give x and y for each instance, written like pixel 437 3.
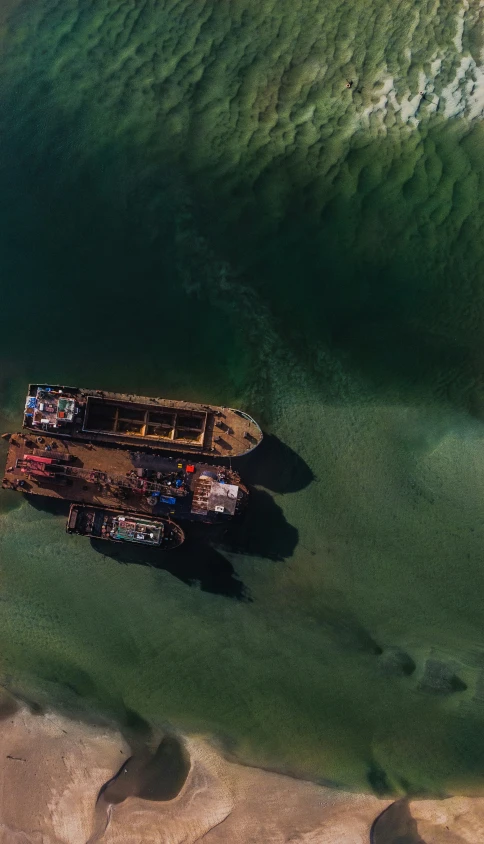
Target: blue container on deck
pixel 167 500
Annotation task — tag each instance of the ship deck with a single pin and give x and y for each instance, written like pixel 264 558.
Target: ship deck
pixel 115 464
pixel 141 422
pixel 123 526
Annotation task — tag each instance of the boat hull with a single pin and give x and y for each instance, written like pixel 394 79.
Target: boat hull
pixel 139 421
pixel 118 525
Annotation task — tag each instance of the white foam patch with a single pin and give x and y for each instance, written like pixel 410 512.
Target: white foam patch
pixel 462 97
pixel 406 109
pixel 460 25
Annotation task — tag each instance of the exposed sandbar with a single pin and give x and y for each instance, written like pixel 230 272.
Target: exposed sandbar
pixel 62 783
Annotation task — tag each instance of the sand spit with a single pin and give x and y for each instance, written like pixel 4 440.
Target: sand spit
pixel 53 770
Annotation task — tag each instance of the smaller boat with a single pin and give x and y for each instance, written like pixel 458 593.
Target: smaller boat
pixel 124 526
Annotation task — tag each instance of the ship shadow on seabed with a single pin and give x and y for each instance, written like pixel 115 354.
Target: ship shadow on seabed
pixel 195 563
pixel 275 466
pixel 262 531
pixel 54 506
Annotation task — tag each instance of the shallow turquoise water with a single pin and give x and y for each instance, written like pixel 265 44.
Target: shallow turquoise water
pixel 194 204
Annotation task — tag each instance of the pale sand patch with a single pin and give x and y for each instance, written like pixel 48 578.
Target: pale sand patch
pixel 453 820
pixel 457 820
pixel 49 789
pixel 48 795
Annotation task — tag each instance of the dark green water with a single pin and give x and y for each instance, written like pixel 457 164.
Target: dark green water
pixel 193 204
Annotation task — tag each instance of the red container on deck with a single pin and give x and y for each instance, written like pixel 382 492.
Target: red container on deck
pixel 36 459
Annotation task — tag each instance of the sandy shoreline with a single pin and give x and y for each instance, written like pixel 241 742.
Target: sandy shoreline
pixel 60 766
pixel 53 770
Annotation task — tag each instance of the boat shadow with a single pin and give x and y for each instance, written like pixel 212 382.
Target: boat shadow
pixel 54 506
pixel 195 563
pixel 275 466
pixel 261 531
pixel 201 561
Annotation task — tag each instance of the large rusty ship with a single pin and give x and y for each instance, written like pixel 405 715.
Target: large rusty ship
pixel 143 483
pixel 137 421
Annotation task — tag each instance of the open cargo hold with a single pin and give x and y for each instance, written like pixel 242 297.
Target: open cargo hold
pixel 153 423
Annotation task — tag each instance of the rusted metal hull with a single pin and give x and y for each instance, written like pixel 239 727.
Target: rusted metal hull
pixel 138 421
